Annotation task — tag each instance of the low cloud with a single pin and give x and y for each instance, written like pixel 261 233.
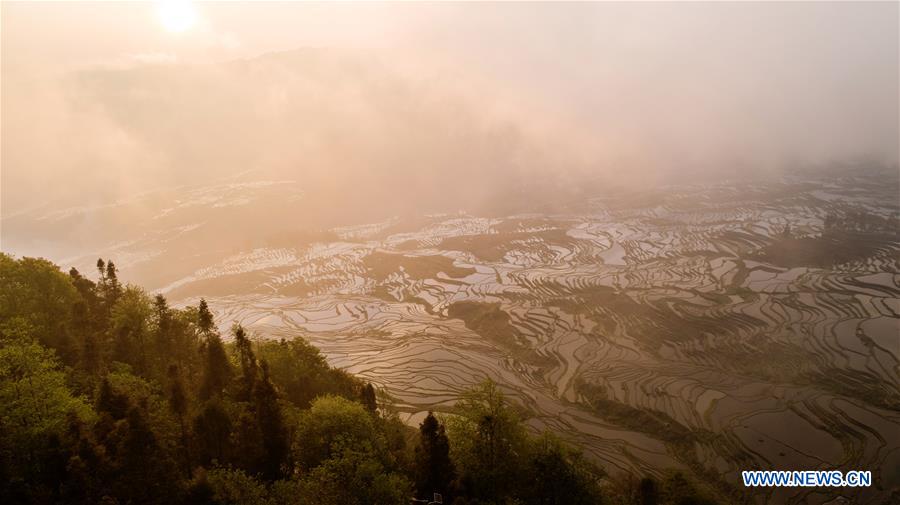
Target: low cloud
pixel 462 110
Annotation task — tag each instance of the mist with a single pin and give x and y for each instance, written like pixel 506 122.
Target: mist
pixel 386 109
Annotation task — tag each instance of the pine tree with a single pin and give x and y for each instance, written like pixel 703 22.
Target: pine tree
pixel 109 286
pixel 434 469
pixel 101 269
pixel 216 370
pixel 178 402
pixel 558 475
pixel 89 355
pixel 163 331
pixel 139 441
pixel 212 431
pixel 216 367
pixel 649 491
pixel 204 318
pixel 163 318
pixel 177 396
pixel 112 279
pixel 144 471
pixel 247 359
pixel 87 322
pixel 367 397
pixel 130 324
pixel 271 426
pixel 112 402
pixel 88 468
pixel 491 442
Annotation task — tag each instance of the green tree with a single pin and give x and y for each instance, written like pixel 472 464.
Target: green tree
pixel 34 396
pixel 331 424
pixel 112 289
pixel 676 489
pixel 235 487
pixel 89 471
pixel 248 451
pixel 205 319
pixel 88 291
pixel 271 426
pixel 36 291
pixel 216 368
pixel 35 408
pixel 178 402
pixel 557 475
pixel 163 333
pixel 110 401
pixel 89 358
pixel 301 372
pixel 247 360
pixel 212 432
pixel 16 330
pixel 143 470
pixel 354 477
pixel 648 491
pixel 434 470
pixel 130 325
pixel 367 398
pixel 487 443
pixel 87 323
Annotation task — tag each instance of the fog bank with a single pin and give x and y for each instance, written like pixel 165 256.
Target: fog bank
pixel 422 107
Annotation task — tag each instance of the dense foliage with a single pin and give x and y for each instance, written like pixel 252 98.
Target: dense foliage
pixel 109 395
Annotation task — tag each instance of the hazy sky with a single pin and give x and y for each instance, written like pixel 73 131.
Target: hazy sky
pixel 101 100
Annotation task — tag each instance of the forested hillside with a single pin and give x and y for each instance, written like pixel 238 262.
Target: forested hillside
pixel 109 395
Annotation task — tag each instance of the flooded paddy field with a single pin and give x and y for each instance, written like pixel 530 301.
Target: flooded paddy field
pixel 711 329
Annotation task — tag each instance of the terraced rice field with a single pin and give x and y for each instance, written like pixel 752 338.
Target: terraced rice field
pixel 678 333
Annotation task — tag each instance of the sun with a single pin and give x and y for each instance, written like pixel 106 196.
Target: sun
pixel 176 15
